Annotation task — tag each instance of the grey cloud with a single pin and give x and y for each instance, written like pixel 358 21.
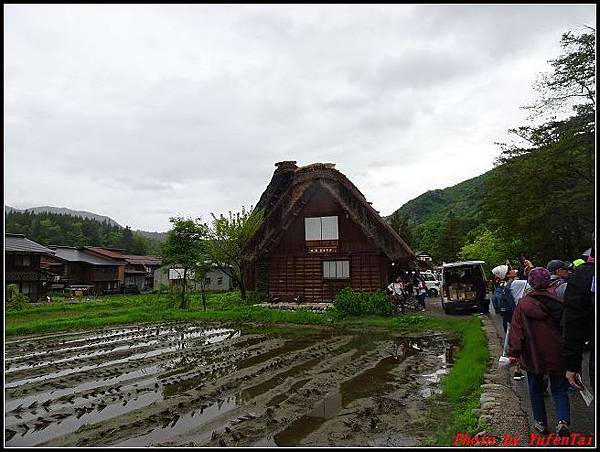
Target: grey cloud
pixel 147 111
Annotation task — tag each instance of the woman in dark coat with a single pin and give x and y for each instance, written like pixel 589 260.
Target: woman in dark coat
pixel 535 341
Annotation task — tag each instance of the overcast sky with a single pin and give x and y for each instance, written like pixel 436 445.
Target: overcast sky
pixel 142 112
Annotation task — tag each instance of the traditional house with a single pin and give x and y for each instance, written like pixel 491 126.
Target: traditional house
pixel 22 260
pixel 140 271
pixel 424 261
pixel 168 276
pixel 319 235
pixel 134 270
pixel 82 267
pixel 113 254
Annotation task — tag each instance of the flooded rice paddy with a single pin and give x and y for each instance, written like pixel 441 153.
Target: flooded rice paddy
pixel 208 384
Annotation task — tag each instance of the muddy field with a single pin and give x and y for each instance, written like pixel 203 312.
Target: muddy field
pixel 212 384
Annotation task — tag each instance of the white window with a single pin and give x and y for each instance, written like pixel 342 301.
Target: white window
pixel 321 228
pixel 207 281
pixel 329 228
pixel 176 273
pixel 220 281
pixel 312 228
pixel 336 269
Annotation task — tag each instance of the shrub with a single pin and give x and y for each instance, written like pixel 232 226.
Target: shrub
pixel 255 297
pixel 229 299
pixel 348 302
pixel 14 299
pixel 376 303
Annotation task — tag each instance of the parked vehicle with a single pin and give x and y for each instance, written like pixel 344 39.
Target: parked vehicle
pixel 432 283
pixel 464 287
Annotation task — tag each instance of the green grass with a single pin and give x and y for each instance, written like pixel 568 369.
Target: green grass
pixel 450 413
pixel 123 309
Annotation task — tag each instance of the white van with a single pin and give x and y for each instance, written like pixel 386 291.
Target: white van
pixel 464 287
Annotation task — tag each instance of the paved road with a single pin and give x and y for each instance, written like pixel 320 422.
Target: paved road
pixel 582 416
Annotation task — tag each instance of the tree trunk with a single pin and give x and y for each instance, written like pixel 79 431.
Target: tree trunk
pixel 184 287
pixel 242 287
pixel 202 289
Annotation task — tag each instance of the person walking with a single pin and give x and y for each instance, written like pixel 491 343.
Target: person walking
pixel 397 289
pixel 559 273
pixel 421 292
pixel 579 320
pixel 508 294
pixel 535 343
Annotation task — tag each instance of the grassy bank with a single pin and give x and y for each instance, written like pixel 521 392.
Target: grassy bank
pixel 450 413
pixel 123 309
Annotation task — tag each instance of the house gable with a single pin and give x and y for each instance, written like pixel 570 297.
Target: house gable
pixel 321 203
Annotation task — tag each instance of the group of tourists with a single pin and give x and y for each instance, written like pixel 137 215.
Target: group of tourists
pixel 408 285
pixel 548 314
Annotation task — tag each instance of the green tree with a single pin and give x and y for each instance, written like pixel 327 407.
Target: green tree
pixel 543 191
pixel 426 237
pixel 184 248
pixel 228 237
pixel 200 271
pixel 487 245
pixel 450 238
pixel 127 239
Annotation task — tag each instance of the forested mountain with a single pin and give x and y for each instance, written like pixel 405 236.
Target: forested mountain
pixel 158 236
pixel 62 229
pixel 465 199
pixel 439 221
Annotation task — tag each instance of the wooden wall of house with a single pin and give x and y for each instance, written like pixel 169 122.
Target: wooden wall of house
pixel 102 273
pixel 293 271
pixel 27 277
pixel 13 262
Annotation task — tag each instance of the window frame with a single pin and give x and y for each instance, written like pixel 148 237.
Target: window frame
pixel 337 269
pixel 312 221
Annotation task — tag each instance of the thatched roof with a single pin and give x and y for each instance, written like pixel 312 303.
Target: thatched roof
pixel 290 190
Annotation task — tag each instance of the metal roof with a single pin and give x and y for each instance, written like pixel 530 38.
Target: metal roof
pixel 462 264
pixel 142 260
pixel 80 255
pixel 18 243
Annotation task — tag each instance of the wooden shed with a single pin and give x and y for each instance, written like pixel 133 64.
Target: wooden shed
pixel 319 235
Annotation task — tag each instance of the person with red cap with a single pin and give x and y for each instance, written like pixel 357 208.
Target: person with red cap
pixel 535 343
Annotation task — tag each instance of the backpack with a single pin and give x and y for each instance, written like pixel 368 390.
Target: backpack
pixel 507 301
pixel 497 295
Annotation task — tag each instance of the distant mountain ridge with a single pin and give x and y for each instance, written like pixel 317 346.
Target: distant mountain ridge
pixel 465 199
pixel 160 236
pixel 66 211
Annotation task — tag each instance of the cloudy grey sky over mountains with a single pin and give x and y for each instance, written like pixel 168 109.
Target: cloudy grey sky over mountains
pixel 142 112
